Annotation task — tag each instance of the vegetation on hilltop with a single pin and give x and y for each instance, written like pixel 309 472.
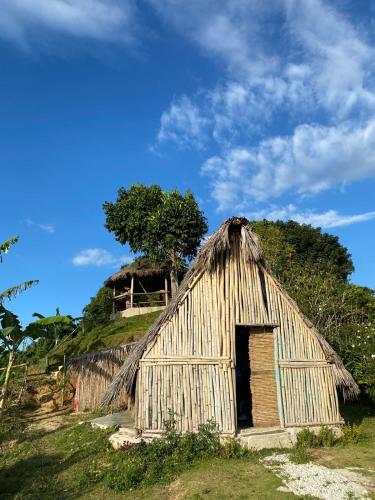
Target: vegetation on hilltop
pixel 165 226
pixel 314 268
pixel 108 334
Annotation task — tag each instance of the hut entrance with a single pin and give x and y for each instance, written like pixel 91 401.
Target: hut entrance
pixel 255 380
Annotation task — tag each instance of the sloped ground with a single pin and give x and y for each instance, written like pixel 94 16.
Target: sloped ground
pixel 63 462
pixel 111 334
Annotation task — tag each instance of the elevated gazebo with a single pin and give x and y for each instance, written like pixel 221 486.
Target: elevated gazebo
pixel 139 288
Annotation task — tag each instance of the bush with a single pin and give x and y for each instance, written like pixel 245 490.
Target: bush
pixel 161 460
pixel 232 449
pixel 351 433
pixel 308 439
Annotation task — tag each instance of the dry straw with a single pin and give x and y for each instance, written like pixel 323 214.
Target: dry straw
pixel 229 283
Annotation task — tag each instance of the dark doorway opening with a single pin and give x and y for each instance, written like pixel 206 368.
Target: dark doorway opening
pixel 243 393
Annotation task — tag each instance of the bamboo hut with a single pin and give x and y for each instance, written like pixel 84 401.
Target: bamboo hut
pixel 139 288
pixel 92 373
pixel 233 347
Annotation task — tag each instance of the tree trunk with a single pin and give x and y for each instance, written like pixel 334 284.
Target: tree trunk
pixel 174 282
pixel 174 274
pixel 4 389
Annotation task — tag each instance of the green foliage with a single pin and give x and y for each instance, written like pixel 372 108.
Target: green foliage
pixel 99 309
pixel 11 427
pixel 300 455
pixel 6 245
pixel 165 226
pixel 308 439
pixel 313 267
pixel 161 460
pixel 13 291
pixel 231 448
pixel 48 331
pixel 312 246
pixel 351 433
pixel 110 334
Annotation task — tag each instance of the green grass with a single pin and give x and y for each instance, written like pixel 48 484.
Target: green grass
pixel 110 334
pixel 69 463
pixel 361 454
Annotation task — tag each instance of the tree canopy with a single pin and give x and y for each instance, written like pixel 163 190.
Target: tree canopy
pixel 309 245
pixel 165 226
pixel 314 267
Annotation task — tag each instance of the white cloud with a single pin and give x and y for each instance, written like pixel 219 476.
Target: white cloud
pixel 183 124
pixel 287 52
pixel 98 257
pixel 327 220
pixel 302 63
pixel 315 158
pixel 48 228
pixel 23 21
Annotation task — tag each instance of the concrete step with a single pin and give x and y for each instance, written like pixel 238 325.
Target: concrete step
pixel 120 419
pixel 124 435
pixel 267 439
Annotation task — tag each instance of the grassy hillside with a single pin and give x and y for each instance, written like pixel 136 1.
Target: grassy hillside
pixel 110 334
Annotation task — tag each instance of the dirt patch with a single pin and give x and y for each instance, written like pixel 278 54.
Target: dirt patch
pixel 175 491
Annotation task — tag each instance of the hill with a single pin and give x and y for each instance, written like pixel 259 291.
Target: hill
pixel 110 334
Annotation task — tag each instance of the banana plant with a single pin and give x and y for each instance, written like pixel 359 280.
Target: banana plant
pixel 13 291
pixel 11 333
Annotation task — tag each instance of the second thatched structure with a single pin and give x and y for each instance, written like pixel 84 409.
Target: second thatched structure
pixel 92 373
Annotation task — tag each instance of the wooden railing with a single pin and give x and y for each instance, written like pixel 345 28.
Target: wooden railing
pixel 143 299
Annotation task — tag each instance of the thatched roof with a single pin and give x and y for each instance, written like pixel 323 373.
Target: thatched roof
pixel 112 354
pixel 206 260
pixel 140 267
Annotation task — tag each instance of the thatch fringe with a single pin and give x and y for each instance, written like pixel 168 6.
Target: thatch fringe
pixel 140 267
pixel 344 380
pixel 112 354
pixel 92 373
pixel 207 260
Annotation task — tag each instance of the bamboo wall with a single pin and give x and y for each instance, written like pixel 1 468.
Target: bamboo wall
pixel 189 367
pixel 91 378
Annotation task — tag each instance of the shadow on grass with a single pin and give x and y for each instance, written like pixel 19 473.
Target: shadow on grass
pixel 24 478
pixel 355 411
pixel 37 477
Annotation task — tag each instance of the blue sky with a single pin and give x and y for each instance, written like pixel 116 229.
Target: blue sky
pixel 262 108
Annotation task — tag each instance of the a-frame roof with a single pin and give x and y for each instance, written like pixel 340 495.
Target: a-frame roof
pixel 207 259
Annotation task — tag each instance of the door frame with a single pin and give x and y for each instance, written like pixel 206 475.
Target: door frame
pixel 261 328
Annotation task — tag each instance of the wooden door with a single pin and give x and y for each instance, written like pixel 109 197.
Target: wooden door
pixel 262 379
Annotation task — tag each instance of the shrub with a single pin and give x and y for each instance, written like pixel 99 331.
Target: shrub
pixel 300 455
pixel 350 433
pixel 161 460
pixel 308 439
pixel 232 449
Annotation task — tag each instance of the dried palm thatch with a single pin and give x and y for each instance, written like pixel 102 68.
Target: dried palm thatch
pixel 92 373
pixel 208 258
pixel 141 267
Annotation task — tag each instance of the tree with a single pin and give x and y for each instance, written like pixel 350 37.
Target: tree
pixel 167 227
pixel 310 245
pixel 51 328
pixel 313 267
pixel 11 334
pixel 99 308
pixel 11 337
pixel 17 289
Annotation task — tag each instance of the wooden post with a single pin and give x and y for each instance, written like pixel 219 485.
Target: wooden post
pixel 131 292
pixel 114 302
pixel 4 389
pixel 63 384
pixel 166 290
